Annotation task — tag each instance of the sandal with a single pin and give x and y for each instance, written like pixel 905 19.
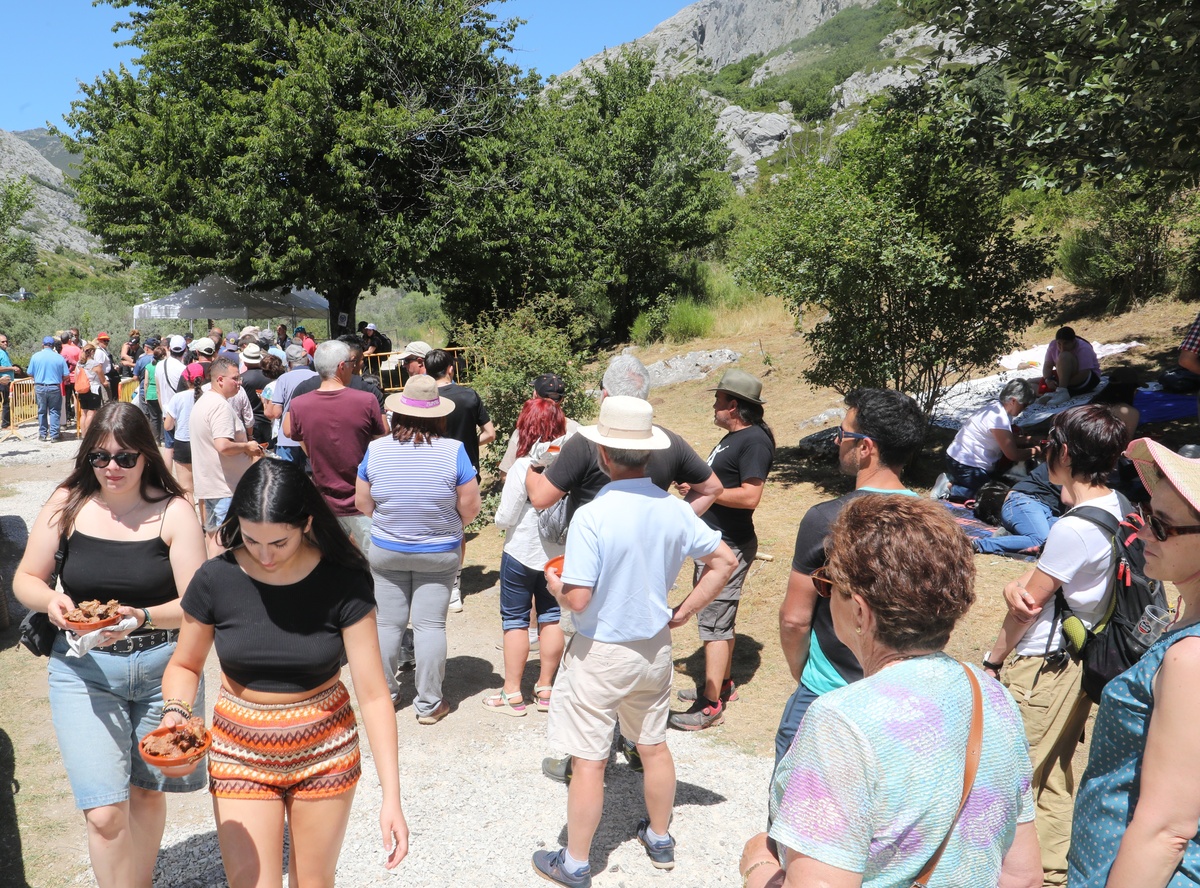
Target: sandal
pixel 541 697
pixel 504 703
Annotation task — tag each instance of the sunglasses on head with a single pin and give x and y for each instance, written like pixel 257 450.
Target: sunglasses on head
pixel 126 459
pixel 821 581
pixel 1161 529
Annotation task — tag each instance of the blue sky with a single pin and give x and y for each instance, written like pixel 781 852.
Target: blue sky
pixel 51 45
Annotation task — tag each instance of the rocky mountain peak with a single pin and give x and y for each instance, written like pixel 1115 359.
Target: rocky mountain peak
pixel 55 219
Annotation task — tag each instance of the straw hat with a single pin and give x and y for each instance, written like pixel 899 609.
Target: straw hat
pixel 252 354
pixel 626 424
pixel 419 398
pixel 741 385
pixel 1155 462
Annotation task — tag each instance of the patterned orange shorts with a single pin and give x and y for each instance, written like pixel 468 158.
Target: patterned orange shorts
pixel 306 750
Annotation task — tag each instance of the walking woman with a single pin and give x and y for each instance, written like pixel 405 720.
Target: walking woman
pixel 522 567
pixel 289 599
pixel 1135 819
pixel 89 401
pixel 154 411
pixel 128 534
pixel 420 489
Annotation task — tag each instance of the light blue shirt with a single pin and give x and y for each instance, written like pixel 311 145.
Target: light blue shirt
pixel 628 545
pixel 48 367
pixel 6 361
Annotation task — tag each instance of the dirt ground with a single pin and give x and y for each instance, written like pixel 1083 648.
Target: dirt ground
pixel 48 842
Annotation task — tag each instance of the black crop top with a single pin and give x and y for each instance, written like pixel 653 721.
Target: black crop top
pixel 135 572
pixel 279 639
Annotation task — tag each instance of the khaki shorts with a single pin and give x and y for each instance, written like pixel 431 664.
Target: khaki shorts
pixel 599 682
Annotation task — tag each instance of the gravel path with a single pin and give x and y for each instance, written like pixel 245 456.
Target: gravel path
pixel 476 801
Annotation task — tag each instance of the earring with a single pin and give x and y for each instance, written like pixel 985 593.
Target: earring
pixel 858 630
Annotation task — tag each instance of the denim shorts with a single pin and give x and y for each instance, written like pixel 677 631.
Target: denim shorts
pixel 215 511
pixel 102 705
pixel 521 588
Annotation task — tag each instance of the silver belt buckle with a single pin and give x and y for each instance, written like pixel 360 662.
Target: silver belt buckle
pixel 123 646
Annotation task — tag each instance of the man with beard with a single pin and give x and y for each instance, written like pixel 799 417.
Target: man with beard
pixel 881 432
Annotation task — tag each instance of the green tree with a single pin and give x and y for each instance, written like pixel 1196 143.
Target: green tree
pixel 17 252
pixel 1103 88
pixel 287 141
pixel 901 246
pixel 592 191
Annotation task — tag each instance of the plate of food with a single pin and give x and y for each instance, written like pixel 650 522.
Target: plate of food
pixel 89 616
pixel 175 750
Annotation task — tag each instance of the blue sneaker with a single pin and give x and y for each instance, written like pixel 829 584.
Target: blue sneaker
pixel 549 865
pixel 662 855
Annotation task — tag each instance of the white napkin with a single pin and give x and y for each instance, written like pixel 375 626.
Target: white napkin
pixel 79 645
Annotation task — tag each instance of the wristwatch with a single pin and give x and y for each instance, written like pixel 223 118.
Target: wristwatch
pixel 995 667
pixel 148 623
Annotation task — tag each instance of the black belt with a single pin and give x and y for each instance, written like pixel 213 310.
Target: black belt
pixel 141 641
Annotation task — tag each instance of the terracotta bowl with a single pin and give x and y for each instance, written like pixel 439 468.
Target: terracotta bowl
pixel 174 765
pixel 85 628
pixel 556 563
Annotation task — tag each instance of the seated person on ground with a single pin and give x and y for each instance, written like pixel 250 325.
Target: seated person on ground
pixel 987 436
pixel 1071 363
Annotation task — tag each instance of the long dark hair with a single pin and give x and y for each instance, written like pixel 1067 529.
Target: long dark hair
pixel 274 491
pixel 129 426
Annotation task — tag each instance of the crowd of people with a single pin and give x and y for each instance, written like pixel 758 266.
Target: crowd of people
pixel 295 518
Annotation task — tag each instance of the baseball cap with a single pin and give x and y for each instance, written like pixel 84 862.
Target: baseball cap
pixel 296 354
pixel 249 331
pixel 299 330
pixel 550 385
pixel 416 349
pixel 102 336
pixel 154 342
pixel 204 346
pixel 252 353
pixel 372 327
pixel 177 344
pixel 48 340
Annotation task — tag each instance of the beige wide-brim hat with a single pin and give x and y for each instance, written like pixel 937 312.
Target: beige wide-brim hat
pixel 626 424
pixel 419 398
pixel 1155 462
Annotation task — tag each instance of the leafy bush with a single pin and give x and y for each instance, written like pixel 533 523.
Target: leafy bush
pixel 688 320
pixel 1128 251
pixel 510 349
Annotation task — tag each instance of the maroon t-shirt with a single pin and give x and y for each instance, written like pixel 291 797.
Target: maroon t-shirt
pixel 336 428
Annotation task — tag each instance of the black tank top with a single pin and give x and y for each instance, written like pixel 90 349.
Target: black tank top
pixel 135 572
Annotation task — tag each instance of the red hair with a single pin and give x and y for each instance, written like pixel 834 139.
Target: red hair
pixel 541 419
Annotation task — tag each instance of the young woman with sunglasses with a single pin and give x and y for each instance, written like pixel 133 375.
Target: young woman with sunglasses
pixel 1084 445
pixel 1139 802
pixel 128 534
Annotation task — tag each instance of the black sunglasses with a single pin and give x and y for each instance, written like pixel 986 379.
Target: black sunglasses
pixel 821 582
pixel 1161 529
pixel 126 459
pixel 842 434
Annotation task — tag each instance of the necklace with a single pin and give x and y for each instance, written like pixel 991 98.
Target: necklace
pixel 120 519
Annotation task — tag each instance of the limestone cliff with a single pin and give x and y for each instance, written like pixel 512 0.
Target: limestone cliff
pixel 55 219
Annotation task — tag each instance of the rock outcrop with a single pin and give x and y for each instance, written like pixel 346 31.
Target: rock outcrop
pixel 55 219
pixel 715 33
pixel 751 136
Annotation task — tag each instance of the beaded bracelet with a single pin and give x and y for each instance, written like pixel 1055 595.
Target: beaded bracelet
pixel 182 706
pixel 178 710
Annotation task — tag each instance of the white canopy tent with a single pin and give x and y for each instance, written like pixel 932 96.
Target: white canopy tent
pixel 218 297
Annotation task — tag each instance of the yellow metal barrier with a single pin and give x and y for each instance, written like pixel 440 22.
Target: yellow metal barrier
pixel 390 379
pixel 23 403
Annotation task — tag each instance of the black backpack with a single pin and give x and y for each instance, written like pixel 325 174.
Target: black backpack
pixel 1110 648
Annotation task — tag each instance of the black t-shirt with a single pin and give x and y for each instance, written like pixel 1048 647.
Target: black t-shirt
pixel 809 555
pixel 577 472
pixel 469 416
pixel 738 457
pixel 1038 486
pixel 356 382
pixel 253 382
pixel 279 639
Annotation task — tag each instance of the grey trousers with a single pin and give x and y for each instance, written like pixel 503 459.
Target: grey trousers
pixel 414 586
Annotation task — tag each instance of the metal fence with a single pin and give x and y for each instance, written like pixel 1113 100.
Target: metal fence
pixel 23 403
pixel 386 366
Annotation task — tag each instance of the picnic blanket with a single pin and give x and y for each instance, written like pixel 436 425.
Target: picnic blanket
pixel 1163 406
pixel 979 530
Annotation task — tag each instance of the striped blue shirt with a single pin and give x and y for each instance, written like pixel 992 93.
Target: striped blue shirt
pixel 415 492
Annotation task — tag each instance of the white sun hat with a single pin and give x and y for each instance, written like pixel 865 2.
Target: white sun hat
pixel 626 424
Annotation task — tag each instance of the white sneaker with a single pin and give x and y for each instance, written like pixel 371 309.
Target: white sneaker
pixel 941 487
pixel 456 600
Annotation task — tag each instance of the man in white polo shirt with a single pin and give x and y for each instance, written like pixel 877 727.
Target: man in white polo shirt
pixel 624 551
